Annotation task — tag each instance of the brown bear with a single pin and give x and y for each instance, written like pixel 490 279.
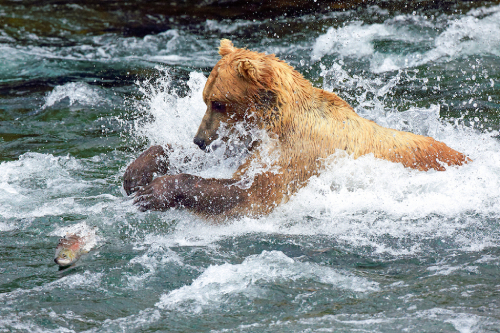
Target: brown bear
pixel 304 125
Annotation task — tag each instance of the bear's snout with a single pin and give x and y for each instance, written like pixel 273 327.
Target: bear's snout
pixel 200 143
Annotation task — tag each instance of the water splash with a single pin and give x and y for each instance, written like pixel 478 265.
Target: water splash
pixel 175 117
pixel 472 34
pixel 39 185
pixel 252 278
pixel 76 92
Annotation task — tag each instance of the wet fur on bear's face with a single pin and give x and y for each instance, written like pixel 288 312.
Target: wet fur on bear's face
pixel 220 112
pixel 234 93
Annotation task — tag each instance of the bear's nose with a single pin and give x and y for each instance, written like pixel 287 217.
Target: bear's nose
pixel 200 143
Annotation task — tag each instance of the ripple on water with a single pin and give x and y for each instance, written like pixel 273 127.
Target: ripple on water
pixel 253 278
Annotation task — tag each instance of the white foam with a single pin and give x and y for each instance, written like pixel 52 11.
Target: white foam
pixel 155 258
pixel 474 33
pixel 462 322
pixel 353 39
pixel 485 258
pixel 176 119
pixel 445 269
pixel 143 318
pixel 109 46
pixel 171 59
pixel 77 92
pixel 253 277
pixel 369 94
pixel 30 174
pixel 79 281
pixel 5 38
pixel 81 229
pixel 228 27
pixel 6 226
pixel 468 35
pixel 471 34
pixel 39 185
pixel 172 47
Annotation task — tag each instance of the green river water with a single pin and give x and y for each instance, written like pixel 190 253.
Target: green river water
pixel 367 246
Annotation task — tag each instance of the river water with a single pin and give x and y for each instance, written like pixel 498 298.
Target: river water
pixel 367 246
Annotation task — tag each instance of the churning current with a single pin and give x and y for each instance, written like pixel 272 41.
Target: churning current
pixel 367 245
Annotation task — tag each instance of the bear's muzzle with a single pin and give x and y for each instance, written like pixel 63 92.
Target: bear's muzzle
pixel 200 143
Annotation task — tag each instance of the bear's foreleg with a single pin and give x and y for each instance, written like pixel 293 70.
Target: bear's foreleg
pixel 208 197
pixel 141 172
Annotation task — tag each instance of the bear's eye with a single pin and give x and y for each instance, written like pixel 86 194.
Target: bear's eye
pixel 218 106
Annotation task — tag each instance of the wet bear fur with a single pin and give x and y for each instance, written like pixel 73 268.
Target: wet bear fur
pixel 306 124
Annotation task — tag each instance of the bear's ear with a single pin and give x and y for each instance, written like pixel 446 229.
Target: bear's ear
pixel 226 47
pixel 248 69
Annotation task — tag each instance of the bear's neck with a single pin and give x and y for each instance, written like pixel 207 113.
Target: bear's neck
pixel 304 108
pixel 294 98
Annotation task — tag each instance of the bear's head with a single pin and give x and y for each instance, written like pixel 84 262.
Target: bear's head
pixel 248 88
